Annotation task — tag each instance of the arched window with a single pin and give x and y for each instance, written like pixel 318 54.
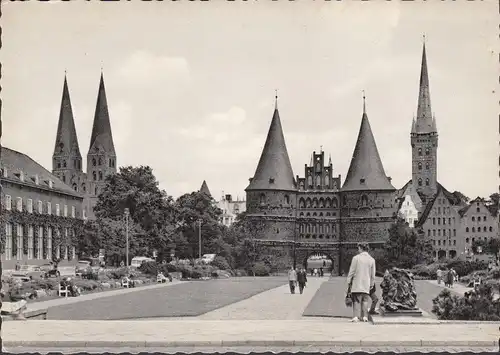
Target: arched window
pixel 426 182
pixel 426 166
pixel 466 229
pixel 94 175
pixel 327 181
pixel 321 203
pixel 419 182
pixel 419 166
pixel 491 229
pixel 484 229
pixel 94 162
pixel 75 187
pixel 315 203
pixel 427 151
pixel 420 151
pixel 287 199
pixel 318 167
pixel 110 163
pixel 64 163
pixel 467 240
pixel 364 201
pixel 59 165
pixel 96 190
pixel 318 181
pixel 262 199
pixel 84 188
pixel 308 202
pixel 473 218
pixel 100 161
pixel 302 203
pixel 100 175
pixel 335 203
pixel 309 181
pixel 473 229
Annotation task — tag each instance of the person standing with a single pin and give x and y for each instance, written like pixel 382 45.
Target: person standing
pixel 360 280
pixel 302 279
pixel 292 279
pixel 439 274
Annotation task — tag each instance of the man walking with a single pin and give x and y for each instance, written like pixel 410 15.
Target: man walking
pixel 292 279
pixel 302 279
pixel 360 280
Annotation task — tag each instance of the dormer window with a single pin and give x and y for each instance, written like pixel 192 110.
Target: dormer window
pixel 362 181
pixel 37 180
pixel 51 184
pixel 271 180
pixel 21 176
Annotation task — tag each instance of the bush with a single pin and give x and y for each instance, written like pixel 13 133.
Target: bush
pixel 46 284
pixel 170 267
pixel 117 274
pixel 215 274
pixel 239 273
pixel 261 269
pixel 88 285
pixel 221 263
pixel 476 305
pixel 149 268
pixel 195 274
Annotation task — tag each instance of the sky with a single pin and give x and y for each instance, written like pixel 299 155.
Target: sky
pixel 191 86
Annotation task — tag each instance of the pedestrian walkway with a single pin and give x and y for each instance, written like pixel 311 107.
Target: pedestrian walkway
pixel 277 303
pixel 457 287
pixel 92 296
pixel 232 333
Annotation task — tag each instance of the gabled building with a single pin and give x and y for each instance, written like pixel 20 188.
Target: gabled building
pixel 230 209
pixel 40 213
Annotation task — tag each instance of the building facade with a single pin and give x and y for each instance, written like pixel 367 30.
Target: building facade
pixel 230 209
pixel 101 157
pixel 40 214
pixel 315 214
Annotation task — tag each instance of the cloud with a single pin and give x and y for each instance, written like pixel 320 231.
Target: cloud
pixel 143 67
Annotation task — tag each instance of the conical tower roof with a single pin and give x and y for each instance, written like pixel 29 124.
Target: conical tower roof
pixel 204 189
pixel 366 171
pixel 424 122
pixel 274 171
pixel 66 138
pixel 101 130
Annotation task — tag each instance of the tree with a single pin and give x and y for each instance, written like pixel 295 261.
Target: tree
pixel 405 248
pixel 190 210
pixel 461 197
pixel 495 199
pixel 152 211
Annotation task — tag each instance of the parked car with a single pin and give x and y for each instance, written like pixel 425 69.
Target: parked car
pixel 29 271
pixel 88 268
pixel 83 267
pixel 49 271
pixel 139 260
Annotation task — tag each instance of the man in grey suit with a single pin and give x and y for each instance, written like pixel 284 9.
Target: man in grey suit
pixel 360 280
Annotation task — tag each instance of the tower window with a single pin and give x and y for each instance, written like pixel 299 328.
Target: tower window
pixel 426 166
pixel 100 175
pixel 94 162
pixel 96 190
pixel 84 188
pixel 59 165
pixel 75 187
pixel 427 151
pixel 426 182
pixel 419 182
pixel 110 163
pixel 94 176
pixel 64 178
pixel 287 199
pixel 100 161
pixel 420 151
pixel 419 166
pixel 64 163
pixel 262 199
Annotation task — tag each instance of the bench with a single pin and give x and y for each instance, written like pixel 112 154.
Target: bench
pixel 160 278
pixel 126 282
pixel 63 291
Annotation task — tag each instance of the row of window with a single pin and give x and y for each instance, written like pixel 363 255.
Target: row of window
pixel 473 218
pixel 444 242
pixel 263 199
pixel 318 203
pixel 474 239
pixel 450 220
pixel 29 207
pixel 443 231
pixel 427 182
pixel 445 210
pixel 77 164
pixel 314 236
pixel 427 166
pixel 427 151
pixel 314 228
pixel 485 229
pixel 99 161
pixel 30 252
pixel 314 214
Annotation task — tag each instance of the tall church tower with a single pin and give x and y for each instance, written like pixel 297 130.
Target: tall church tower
pixel 66 159
pixel 101 158
pixel 272 192
pixel 424 139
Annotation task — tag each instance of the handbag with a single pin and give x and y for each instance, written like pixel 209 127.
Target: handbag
pixel 348 297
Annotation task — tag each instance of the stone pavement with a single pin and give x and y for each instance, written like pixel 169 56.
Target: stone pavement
pixel 277 303
pixel 247 333
pixel 93 296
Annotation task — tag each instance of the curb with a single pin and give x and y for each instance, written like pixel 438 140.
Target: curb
pixel 246 343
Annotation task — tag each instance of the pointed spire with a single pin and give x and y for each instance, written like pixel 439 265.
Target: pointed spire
pixel 424 113
pixel 276 100
pixel 101 130
pixel 329 159
pixel 274 171
pixel 364 103
pixel 66 138
pixel 311 164
pixel 204 189
pixel 366 171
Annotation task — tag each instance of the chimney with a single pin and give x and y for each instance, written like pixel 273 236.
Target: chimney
pixel 229 198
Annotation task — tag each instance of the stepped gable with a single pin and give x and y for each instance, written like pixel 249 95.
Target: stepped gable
pixel 366 171
pixel 274 171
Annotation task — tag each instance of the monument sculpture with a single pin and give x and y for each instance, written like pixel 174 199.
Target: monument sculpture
pixel 399 296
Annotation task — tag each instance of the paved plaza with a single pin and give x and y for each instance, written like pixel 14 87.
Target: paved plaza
pixel 239 313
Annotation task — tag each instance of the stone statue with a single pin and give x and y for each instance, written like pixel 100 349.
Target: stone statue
pixel 398 291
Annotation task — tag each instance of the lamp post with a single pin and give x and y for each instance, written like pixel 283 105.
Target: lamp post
pixel 199 239
pixel 127 213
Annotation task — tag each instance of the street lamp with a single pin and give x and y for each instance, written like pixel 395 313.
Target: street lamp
pixel 127 214
pixel 199 239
